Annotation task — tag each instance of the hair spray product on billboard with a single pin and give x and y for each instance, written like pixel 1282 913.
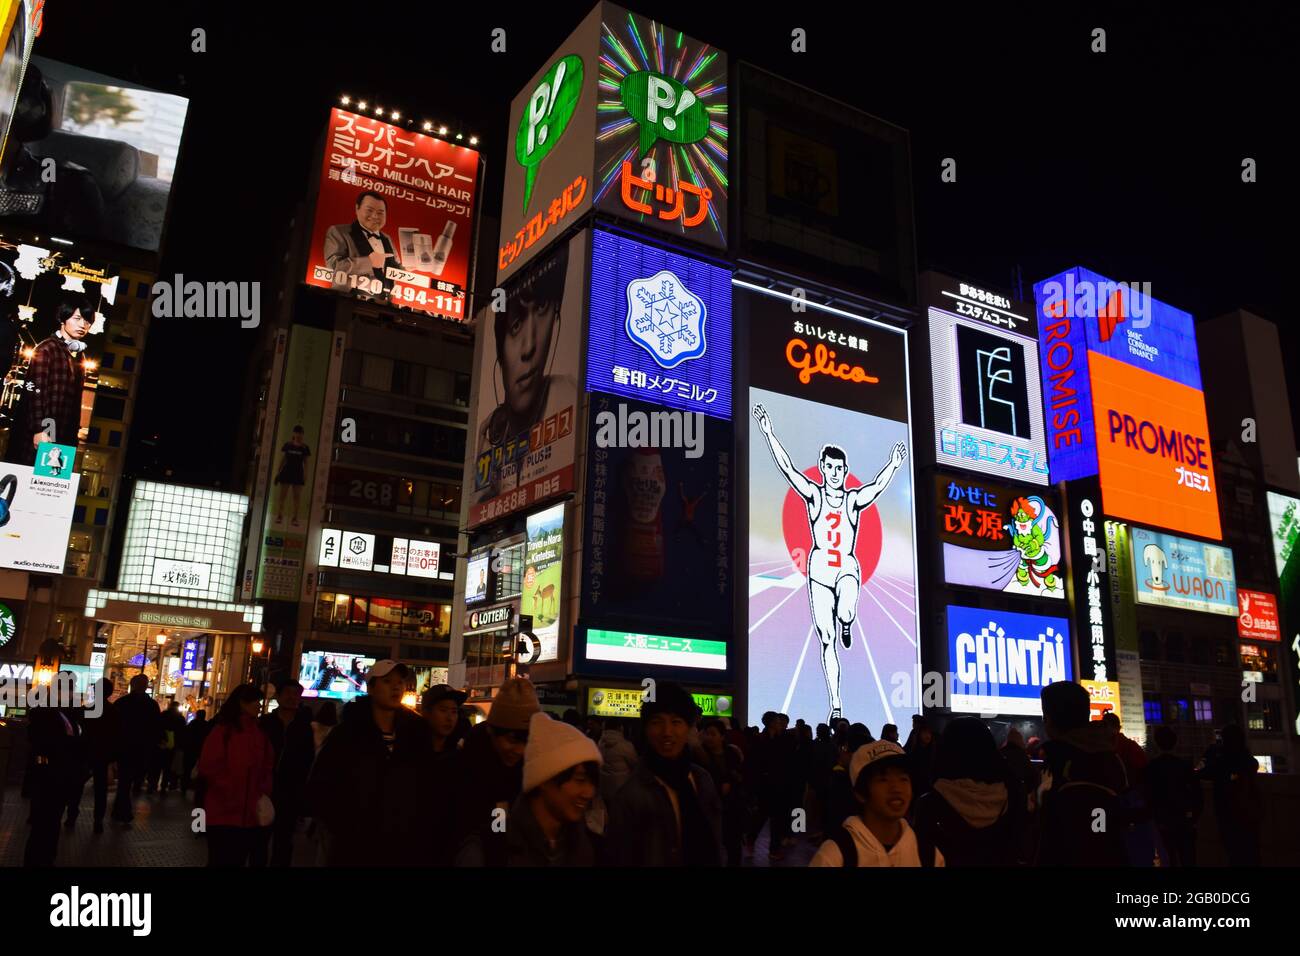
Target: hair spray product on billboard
pixel 643 538
pixel 442 249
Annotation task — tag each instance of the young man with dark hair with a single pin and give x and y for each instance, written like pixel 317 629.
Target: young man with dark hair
pixel 879 834
pixel 668 813
pixel 289 729
pixel 55 377
pixel 1083 774
pixel 546 825
pixel 371 784
pixel 440 706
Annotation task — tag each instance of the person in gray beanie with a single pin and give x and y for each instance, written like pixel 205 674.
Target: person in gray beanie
pixel 669 812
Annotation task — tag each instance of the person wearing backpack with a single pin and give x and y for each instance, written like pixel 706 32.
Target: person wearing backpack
pixel 879 834
pixel 1238 799
pixel 1083 821
pixel 976 812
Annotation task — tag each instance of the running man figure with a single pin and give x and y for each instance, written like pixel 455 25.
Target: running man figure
pixel 834 578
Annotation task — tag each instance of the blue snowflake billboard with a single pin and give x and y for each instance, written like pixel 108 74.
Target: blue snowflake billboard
pixel 660 328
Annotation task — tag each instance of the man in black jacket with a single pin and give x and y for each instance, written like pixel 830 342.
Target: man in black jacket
pixel 485 777
pixel 668 813
pixel 289 730
pixel 370 787
pixel 139 733
pixel 55 765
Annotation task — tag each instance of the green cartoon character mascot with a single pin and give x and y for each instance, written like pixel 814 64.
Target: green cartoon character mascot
pixel 1034 535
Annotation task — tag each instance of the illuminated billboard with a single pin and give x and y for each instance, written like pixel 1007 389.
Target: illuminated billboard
pixel 627 115
pixel 1000 537
pixel 1122 388
pixel 334 675
pixel 1001 661
pixel 542 596
pixel 832 583
pixel 662 128
pixel 658 529
pixel 1284 521
pixel 1257 618
pixel 988 404
pixel 528 388
pixel 115 146
pixel 1177 572
pixel 624 702
pixel 394 218
pixel 659 650
pixel 297 432
pixel 20 23
pixel 182 542
pixel 1103 698
pixel 549 163
pixel 660 327
pixel 36 508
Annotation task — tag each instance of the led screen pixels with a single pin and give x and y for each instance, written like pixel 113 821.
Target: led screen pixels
pixel 1153 449
pixel 660 328
pixel 182 528
pixel 1177 572
pixel 1000 661
pixel 334 675
pixel 394 217
pixel 1000 537
pixel 801 570
pixel 988 403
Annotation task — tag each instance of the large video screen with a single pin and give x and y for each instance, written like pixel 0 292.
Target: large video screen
pixel 115 145
pixel 334 674
pixel 832 563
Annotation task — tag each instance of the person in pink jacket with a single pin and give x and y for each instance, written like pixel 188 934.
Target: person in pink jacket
pixel 237 766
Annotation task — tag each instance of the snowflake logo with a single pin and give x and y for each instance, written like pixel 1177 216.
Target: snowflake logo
pixel 666 319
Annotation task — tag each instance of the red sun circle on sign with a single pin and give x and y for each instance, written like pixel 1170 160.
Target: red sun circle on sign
pixel 798 535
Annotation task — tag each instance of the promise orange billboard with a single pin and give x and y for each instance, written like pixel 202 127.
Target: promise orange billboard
pixel 1153 449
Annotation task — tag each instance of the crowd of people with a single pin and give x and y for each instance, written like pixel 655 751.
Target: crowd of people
pixel 380 784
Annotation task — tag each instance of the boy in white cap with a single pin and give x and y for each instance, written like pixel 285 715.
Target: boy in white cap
pixel 879 834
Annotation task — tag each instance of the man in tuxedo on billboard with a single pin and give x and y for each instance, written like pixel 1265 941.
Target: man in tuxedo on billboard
pixel 360 248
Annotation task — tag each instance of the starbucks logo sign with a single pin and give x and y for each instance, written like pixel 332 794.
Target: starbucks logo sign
pixel 8 625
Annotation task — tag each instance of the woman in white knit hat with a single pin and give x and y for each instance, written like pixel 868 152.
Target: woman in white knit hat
pixel 546 825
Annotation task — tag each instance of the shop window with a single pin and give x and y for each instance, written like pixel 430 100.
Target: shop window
pixel 1179 712
pixel 101 517
pixel 128 363
pixel 1263 715
pixel 462 391
pixel 114 439
pixel 79 514
pixel 141 289
pixel 108 360
pixel 92 435
pixel 1203 711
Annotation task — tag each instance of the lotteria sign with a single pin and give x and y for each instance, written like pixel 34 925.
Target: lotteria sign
pixel 1123 400
pixel 1001 661
pixel 660 327
pixel 1177 572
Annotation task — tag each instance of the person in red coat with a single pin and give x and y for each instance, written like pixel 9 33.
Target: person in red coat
pixel 55 377
pixel 237 766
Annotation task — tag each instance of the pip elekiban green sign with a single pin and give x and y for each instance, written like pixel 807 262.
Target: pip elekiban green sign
pixel 663 109
pixel 546 116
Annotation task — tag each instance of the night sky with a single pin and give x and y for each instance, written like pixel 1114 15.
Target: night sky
pixel 1128 162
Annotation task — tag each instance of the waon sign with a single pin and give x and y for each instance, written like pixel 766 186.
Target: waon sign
pixel 395 216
